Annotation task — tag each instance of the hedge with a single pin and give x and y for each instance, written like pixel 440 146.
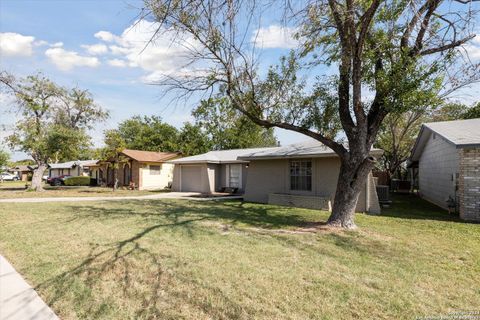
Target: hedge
pixel 77 181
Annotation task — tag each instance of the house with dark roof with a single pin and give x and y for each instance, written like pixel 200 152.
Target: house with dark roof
pixel 446 157
pixel 300 175
pixel 144 169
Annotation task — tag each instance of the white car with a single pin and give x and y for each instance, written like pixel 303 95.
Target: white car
pixel 9 177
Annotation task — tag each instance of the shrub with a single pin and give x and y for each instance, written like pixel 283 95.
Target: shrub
pixel 77 181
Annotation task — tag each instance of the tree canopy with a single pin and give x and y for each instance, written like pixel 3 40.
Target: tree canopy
pixel 53 120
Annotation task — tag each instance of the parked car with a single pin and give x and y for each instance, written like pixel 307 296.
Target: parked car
pixel 9 177
pixel 58 181
pixel 45 177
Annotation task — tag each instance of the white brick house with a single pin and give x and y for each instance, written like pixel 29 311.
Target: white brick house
pixel 447 155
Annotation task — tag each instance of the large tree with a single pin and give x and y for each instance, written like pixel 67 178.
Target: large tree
pixel 383 51
pixel 52 120
pixel 148 133
pixel 230 129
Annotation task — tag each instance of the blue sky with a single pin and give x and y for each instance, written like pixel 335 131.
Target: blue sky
pixel 85 43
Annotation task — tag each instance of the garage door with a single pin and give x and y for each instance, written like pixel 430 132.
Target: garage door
pixel 192 178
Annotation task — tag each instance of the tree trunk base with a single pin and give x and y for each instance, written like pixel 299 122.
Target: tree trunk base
pixel 350 225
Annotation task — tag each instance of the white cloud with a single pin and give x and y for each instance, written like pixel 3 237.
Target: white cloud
pixel 117 63
pixel 275 36
pixel 473 48
pixel 66 60
pixel 15 44
pixel 105 36
pixel 57 45
pixel 167 53
pixel 40 43
pixel 96 49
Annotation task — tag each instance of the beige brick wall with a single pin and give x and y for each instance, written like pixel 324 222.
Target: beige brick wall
pixel 469 184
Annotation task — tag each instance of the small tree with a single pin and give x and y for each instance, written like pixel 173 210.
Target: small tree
pixel 4 159
pixel 111 153
pixel 53 120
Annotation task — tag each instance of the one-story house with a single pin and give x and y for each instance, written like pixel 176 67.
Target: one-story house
pixel 71 168
pixel 22 171
pixel 212 171
pixel 302 175
pixel 144 169
pixel 447 157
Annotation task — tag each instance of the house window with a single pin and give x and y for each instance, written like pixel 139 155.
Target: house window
pixel 154 170
pixel 301 175
pixel 235 171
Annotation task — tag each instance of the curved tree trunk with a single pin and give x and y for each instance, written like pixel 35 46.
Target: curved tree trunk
pixel 352 177
pixel 37 177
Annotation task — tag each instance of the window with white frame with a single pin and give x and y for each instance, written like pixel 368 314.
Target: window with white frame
pixel 235 171
pixel 301 175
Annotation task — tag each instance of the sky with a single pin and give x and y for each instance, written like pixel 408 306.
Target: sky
pixel 97 45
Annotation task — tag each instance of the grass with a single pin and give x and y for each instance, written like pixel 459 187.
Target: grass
pixel 16 189
pixel 174 259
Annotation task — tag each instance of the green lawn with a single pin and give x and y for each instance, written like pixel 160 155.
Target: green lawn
pixel 168 259
pixel 16 189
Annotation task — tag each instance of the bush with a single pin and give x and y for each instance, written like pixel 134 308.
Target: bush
pixel 77 181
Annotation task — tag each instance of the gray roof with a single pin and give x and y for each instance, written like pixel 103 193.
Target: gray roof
pixel 72 164
pixel 310 148
pixel 222 156
pixel 461 133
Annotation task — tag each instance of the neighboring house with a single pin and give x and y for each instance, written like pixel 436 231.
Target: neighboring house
pixel 72 168
pixel 447 155
pixel 22 171
pixel 212 171
pixel 302 175
pixel 145 169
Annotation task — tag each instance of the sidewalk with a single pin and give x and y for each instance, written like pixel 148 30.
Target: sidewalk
pixel 18 300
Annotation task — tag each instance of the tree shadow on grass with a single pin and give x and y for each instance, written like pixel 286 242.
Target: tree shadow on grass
pixel 145 285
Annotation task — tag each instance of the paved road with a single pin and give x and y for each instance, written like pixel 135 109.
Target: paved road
pixel 18 300
pixel 166 195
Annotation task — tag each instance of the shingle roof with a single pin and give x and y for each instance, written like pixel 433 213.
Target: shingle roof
pixel 310 148
pixel 22 168
pixel 150 156
pixel 71 164
pixel 459 132
pixel 222 156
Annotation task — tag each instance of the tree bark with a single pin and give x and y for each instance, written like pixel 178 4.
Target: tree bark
pixel 37 177
pixel 351 179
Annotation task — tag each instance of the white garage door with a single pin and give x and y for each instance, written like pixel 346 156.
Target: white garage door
pixel 192 178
